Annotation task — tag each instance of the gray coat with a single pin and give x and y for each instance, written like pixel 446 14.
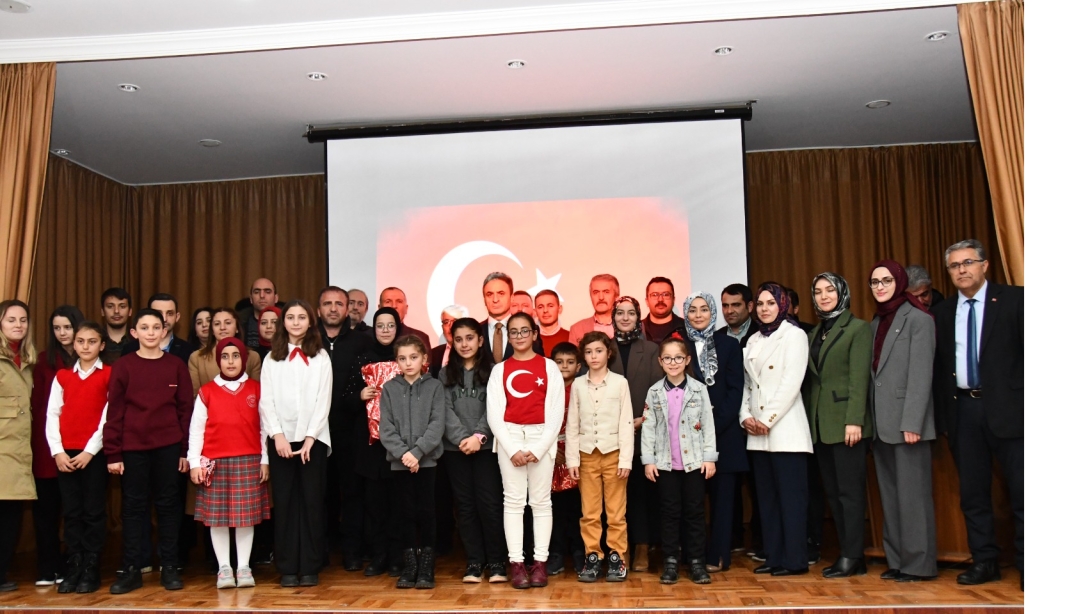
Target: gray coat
pixel 697 428
pixel 467 412
pixel 901 386
pixel 412 420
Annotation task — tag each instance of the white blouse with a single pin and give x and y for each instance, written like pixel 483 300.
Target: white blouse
pixel 295 397
pixel 53 415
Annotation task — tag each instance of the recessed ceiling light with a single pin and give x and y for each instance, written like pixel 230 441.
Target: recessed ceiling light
pixel 317 76
pixel 128 87
pixel 209 143
pixel 724 50
pixel 61 152
pixel 878 104
pixel 14 6
pixel 516 64
pixel 938 36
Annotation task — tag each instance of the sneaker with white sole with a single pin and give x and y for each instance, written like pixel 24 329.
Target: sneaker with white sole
pixel 244 578
pixel 225 578
pixel 48 581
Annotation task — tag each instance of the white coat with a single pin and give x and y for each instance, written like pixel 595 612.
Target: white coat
pixel 775 367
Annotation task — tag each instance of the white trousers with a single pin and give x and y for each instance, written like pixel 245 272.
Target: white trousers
pixel 531 483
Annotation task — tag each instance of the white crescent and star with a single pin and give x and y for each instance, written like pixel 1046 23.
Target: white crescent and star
pixel 511 385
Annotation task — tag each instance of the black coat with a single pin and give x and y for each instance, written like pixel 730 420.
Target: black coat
pixel 726 396
pixel 344 351
pixel 1002 362
pixel 508 351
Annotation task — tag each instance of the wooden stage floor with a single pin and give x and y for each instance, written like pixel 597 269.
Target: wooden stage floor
pixel 737 589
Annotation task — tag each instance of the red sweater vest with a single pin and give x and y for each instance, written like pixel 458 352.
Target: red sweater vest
pixel 525 383
pixel 84 402
pixel 234 424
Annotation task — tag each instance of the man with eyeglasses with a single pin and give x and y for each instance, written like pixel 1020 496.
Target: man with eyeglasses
pixel 980 399
pixel 661 319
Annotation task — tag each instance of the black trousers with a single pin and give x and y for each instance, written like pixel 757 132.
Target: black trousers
pixel 723 488
pixel 681 502
pixel 416 507
pixel 83 499
pixel 153 472
pixel 478 491
pixel 750 482
pixel 344 497
pixel 815 507
pixel 782 489
pixel 11 516
pixel 974 446
pixel 844 473
pixel 46 510
pixel 565 538
pixel 299 497
pixel 642 513
pixel 382 517
pixel 444 506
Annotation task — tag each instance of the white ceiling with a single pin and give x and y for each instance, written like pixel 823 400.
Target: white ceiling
pixel 810 76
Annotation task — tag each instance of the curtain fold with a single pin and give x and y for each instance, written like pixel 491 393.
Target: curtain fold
pixel 842 210
pixel 26 117
pixel 992 40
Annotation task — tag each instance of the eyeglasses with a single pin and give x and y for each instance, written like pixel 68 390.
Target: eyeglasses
pixel 673 360
pixel 953 266
pixel 385 326
pixel 520 333
pixel 885 282
pixel 660 295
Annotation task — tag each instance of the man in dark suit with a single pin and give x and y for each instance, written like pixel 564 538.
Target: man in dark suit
pixel 498 289
pixel 395 299
pixel 167 305
pixel 980 400
pixel 439 355
pixel 357 311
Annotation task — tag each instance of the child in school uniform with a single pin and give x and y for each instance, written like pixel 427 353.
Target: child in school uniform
pixel 228 461
pixel 75 414
pixel 599 448
pixel 296 390
pixel 679 410
pixel 411 429
pixel 567 508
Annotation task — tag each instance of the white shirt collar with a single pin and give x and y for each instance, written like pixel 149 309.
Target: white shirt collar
pixel 88 372
pixel 982 293
pixel 492 322
pixel 291 347
pixel 232 385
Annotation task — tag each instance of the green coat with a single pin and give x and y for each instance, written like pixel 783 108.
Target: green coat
pixel 837 387
pixel 16 478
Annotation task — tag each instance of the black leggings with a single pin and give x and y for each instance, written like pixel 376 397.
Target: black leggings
pixel 11 515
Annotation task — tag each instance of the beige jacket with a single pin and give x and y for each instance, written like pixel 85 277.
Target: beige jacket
pixel 600 418
pixel 203 369
pixel 17 483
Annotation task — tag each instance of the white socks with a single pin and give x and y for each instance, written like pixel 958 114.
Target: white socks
pixel 244 541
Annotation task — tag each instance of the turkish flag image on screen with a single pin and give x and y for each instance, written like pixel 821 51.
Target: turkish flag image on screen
pixel 440 255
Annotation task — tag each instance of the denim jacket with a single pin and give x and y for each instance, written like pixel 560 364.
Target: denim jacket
pixel 697 428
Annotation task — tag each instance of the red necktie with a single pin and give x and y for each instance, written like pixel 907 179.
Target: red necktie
pixel 298 352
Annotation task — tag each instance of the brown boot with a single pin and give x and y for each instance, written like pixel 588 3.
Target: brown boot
pixel 639 558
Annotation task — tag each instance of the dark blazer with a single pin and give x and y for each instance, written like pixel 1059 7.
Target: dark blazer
pixel 1002 361
pixel 901 390
pixel 408 330
pixel 435 360
pixel 726 397
pixel 508 351
pixel 643 371
pixel 837 386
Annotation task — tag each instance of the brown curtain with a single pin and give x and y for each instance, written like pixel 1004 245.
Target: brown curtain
pixel 842 210
pixel 26 116
pixel 991 37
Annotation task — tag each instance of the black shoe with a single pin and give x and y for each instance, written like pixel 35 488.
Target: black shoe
pixel 846 568
pixel 352 562
pixel 759 556
pixel 592 569
pixel 578 559
pixel 308 579
pixel 813 552
pixel 376 567
pixel 789 572
pixel 669 570
pixel 7 587
pixel 425 575
pixel 765 569
pixel 555 565
pixel 407 579
pixel 91 578
pixel 265 558
pixel 289 580
pixel 980 573
pixel 73 571
pixel 170 578
pixel 497 572
pixel 473 575
pixel 129 580
pixel 907 577
pixel 616 571
pixel 394 568
pixel 698 573
pixel 890 574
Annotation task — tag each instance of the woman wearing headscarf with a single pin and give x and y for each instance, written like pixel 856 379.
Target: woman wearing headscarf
pixel 636 359
pixel 779 436
pixel 904 352
pixel 717 361
pixel 835 393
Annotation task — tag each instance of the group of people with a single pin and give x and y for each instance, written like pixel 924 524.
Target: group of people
pixel 597 442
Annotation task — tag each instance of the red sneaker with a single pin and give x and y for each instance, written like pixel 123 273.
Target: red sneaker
pixel 519 578
pixel 539 577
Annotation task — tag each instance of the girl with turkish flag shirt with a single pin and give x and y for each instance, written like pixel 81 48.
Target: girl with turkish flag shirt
pixel 525 412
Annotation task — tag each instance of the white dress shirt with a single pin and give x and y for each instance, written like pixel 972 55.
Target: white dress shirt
pixel 200 419
pixel 295 397
pixel 492 330
pixel 961 343
pixel 53 415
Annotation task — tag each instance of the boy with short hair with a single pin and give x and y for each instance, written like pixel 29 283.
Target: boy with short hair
pixel 567 508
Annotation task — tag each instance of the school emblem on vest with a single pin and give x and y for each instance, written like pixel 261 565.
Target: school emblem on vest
pixel 251 400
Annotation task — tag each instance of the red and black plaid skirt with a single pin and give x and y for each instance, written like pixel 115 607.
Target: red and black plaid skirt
pixel 236 497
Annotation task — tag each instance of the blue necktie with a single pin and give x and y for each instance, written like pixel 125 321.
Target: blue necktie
pixel 972 366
